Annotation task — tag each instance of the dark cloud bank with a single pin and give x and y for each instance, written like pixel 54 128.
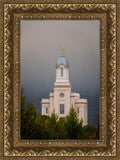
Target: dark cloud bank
pixel 40 49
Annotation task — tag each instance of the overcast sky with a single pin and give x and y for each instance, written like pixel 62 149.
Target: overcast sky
pixel 40 49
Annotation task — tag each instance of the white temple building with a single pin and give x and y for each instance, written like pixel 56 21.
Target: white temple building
pixel 62 99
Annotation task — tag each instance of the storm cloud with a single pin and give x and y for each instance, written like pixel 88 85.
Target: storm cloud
pixel 40 49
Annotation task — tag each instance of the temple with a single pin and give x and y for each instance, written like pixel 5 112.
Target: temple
pixel 62 99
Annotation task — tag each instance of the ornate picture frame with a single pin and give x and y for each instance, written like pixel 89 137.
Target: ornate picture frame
pixel 108 12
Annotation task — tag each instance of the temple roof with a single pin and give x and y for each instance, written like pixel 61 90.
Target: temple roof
pixel 62 60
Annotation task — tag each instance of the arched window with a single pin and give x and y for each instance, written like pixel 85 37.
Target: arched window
pixel 46 110
pixel 61 71
pixel 61 108
pixel 77 110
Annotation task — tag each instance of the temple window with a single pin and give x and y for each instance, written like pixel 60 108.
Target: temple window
pixel 46 110
pixel 61 71
pixel 61 108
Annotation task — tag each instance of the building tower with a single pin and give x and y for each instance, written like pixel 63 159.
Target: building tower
pixel 62 87
pixel 62 99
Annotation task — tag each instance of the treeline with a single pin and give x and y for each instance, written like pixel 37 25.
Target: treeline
pixel 37 126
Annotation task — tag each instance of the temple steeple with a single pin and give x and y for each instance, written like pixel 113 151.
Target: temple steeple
pixel 62 70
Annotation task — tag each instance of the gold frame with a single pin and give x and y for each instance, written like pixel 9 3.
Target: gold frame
pixel 107 147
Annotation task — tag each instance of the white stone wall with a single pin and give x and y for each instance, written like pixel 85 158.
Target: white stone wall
pixel 65 100
pixel 82 105
pixel 51 103
pixel 45 104
pixel 73 97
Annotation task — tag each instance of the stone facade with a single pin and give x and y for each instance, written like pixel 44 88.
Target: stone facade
pixel 62 99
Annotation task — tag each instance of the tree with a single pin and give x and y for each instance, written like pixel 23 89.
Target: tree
pixel 80 131
pixel 72 124
pixel 98 127
pixel 37 126
pixel 61 129
pixel 50 127
pixel 89 132
pixel 28 115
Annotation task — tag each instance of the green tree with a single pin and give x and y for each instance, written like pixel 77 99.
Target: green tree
pixel 37 126
pixel 80 131
pixel 72 124
pixel 61 129
pixel 98 127
pixel 89 132
pixel 28 115
pixel 50 127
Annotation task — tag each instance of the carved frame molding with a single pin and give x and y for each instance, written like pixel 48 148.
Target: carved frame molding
pixel 11 15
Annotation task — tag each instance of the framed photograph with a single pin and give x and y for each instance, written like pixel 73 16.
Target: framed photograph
pixel 62 70
pixel 59 65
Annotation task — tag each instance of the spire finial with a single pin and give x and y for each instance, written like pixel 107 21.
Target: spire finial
pixel 62 49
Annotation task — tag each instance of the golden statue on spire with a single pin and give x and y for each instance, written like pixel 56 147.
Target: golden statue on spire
pixel 62 49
